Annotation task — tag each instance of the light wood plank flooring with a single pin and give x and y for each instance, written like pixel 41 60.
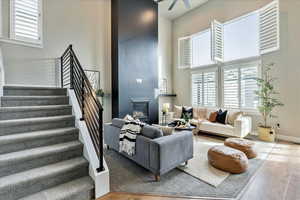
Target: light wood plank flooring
pixel 277 179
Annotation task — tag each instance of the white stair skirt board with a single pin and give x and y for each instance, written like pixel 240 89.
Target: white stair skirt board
pixel 101 179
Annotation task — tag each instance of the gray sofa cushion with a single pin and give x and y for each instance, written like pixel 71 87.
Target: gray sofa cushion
pixel 119 123
pixel 151 132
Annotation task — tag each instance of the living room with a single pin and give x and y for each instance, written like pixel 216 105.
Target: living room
pixel 149 99
pixel 216 61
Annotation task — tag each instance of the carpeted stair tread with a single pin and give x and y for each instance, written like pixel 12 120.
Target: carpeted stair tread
pixel 29 136
pixel 37 120
pixel 33 97
pixel 67 191
pixel 31 90
pixel 30 154
pixel 12 101
pixel 32 108
pixel 23 112
pixel 15 185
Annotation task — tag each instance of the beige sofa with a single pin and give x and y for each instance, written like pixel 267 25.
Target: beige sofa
pixel 240 127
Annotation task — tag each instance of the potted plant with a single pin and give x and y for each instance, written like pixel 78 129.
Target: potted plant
pixel 268 102
pixel 100 93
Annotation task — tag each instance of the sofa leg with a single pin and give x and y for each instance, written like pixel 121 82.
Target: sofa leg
pixel 186 162
pixel 107 147
pixel 157 178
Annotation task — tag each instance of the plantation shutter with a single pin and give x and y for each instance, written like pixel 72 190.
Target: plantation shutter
pixel 209 89
pixel 217 41
pixel 269 28
pixel 26 20
pixel 184 52
pixel 197 89
pixel 231 88
pixel 249 85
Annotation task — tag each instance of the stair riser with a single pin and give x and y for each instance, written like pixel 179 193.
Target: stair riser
pixel 6 130
pixel 16 167
pixel 30 187
pixel 34 102
pixel 34 113
pixel 34 92
pixel 19 146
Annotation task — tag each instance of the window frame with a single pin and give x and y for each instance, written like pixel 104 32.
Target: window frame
pixel 23 40
pixel 202 71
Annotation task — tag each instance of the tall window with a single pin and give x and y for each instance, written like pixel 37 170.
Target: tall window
pixel 204 88
pixel 26 21
pixel 239 83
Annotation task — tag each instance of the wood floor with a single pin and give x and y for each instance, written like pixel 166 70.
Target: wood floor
pixel 277 179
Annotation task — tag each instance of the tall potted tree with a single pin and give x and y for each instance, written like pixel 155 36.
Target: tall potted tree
pixel 268 102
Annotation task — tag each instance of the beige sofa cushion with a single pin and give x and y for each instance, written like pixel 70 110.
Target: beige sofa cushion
pixel 232 116
pixel 199 113
pixel 213 127
pixel 177 111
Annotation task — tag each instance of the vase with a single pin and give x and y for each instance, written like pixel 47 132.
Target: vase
pixel 266 134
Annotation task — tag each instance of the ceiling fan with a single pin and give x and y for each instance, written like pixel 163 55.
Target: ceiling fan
pixel 187 3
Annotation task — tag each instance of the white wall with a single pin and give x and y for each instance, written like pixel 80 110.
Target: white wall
pixel 287 69
pixel 83 23
pixel 165 58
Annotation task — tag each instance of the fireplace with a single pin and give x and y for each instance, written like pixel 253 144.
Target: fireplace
pixel 140 109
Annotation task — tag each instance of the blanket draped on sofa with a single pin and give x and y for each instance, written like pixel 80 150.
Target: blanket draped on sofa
pixel 128 135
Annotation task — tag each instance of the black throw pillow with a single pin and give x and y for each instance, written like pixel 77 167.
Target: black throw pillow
pixel 221 117
pixel 187 112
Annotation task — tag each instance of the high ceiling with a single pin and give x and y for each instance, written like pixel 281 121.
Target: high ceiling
pixel 179 9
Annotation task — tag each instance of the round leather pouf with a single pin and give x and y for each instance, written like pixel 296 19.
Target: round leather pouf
pixel 228 159
pixel 243 145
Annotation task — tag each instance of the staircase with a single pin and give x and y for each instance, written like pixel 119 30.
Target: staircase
pixel 41 157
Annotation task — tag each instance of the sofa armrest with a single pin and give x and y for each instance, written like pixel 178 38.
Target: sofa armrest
pixel 243 126
pixel 168 152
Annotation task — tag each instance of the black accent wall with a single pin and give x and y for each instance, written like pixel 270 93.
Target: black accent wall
pixel 134 55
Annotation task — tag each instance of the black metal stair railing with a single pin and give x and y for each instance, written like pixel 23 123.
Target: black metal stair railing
pixel 73 77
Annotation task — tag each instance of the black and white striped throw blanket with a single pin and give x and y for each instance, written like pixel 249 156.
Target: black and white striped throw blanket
pixel 127 138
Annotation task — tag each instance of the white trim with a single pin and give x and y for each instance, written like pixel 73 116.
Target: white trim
pixel 288 138
pixel 22 43
pixel 179 66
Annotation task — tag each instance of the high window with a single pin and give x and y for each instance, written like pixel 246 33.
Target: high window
pixel 26 21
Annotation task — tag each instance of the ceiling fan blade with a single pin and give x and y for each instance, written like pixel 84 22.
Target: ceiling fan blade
pixel 173 4
pixel 187 4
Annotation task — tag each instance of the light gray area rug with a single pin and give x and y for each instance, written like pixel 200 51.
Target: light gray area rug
pixel 126 176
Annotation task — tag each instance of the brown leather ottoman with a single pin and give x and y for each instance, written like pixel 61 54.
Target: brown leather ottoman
pixel 228 159
pixel 243 145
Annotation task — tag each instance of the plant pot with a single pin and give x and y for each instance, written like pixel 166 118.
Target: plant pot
pixel 266 134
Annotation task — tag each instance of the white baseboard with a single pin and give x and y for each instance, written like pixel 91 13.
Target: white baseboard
pixel 289 138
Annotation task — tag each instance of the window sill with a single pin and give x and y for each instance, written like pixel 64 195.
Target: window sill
pixel 17 42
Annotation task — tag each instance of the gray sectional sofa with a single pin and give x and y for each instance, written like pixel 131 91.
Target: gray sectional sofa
pixel 155 152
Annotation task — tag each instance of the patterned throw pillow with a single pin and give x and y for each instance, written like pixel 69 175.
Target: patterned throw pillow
pixel 187 113
pixel 177 112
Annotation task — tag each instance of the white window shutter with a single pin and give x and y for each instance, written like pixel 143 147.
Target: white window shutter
pixel 210 89
pixel 184 52
pixel 231 87
pixel 217 41
pixel 197 89
pixel 26 23
pixel 269 28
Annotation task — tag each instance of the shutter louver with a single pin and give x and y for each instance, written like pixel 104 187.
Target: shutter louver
pixel 197 89
pixel 217 49
pixel 249 85
pixel 209 87
pixel 231 88
pixel 26 20
pixel 269 28
pixel 185 49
